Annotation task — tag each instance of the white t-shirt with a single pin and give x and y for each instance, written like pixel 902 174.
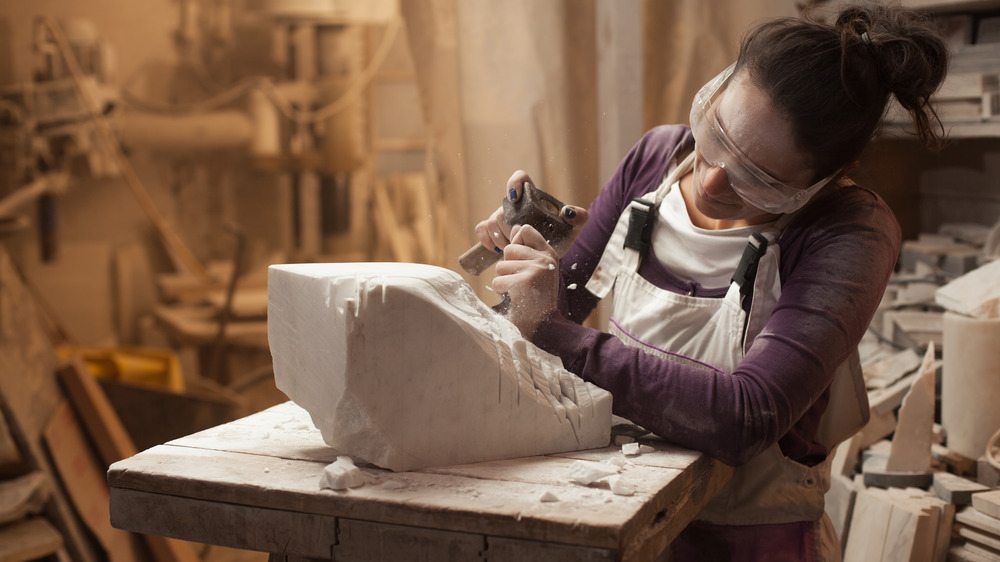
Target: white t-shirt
pixel 708 257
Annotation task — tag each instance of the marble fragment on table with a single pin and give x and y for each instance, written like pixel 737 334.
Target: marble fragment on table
pixel 587 472
pixel 620 486
pixel 341 474
pixel 402 365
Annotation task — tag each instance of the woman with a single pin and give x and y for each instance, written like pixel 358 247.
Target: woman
pixel 747 274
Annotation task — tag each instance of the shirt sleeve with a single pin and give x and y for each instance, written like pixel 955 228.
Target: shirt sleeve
pixel 837 256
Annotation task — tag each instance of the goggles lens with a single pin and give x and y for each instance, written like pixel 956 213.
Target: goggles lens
pixel 753 185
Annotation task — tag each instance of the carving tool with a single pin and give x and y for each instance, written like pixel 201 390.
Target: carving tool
pixel 536 208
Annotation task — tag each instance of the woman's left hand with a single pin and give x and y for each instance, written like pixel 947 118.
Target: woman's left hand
pixel 529 275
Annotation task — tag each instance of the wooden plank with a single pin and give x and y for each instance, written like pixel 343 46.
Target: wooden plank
pixel 29 394
pixel 24 495
pixel 436 501
pixel 665 455
pixel 286 431
pixel 274 459
pixel 10 454
pixel 30 539
pixel 96 413
pixel 322 537
pixel 112 441
pixel 224 524
pixel 27 358
pixel 555 471
pixel 83 480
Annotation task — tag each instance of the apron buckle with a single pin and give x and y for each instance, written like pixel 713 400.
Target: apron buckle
pixel 640 225
pixel 747 270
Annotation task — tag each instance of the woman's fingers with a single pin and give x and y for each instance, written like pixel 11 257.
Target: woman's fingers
pixel 494 231
pixel 515 185
pixel 529 275
pixel 576 216
pixel 527 235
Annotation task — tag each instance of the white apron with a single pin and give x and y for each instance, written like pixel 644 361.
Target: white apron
pixel 771 488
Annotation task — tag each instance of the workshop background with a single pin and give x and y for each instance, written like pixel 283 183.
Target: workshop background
pixel 157 156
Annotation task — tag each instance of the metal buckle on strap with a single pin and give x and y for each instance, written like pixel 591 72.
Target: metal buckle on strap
pixel 640 225
pixel 747 270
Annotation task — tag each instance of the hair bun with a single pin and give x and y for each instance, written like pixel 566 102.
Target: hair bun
pixel 910 58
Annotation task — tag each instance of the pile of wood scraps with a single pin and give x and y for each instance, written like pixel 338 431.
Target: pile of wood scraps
pixel 53 490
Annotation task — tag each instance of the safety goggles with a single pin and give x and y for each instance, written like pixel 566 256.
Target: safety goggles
pixel 752 184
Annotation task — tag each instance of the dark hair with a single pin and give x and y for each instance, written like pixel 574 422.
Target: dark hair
pixel 833 82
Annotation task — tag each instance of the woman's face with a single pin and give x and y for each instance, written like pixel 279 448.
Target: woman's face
pixel 764 137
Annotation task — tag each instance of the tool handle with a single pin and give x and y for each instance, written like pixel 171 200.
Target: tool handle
pixel 476 259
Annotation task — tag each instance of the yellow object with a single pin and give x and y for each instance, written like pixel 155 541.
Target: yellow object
pixel 149 367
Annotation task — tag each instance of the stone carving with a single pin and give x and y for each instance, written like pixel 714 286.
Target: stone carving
pixel 401 365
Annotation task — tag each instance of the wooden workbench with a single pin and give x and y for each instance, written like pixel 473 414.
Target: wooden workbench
pixel 254 484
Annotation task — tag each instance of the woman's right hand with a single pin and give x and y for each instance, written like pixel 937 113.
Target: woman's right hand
pixel 495 232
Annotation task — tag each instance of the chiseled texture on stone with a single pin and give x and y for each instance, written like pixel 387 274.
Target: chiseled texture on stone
pixel 401 365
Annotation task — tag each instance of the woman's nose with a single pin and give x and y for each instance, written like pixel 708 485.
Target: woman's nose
pixel 716 181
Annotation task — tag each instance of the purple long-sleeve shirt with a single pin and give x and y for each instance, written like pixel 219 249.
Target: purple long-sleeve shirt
pixel 836 257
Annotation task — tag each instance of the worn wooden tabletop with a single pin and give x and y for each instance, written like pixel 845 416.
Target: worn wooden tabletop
pixel 254 484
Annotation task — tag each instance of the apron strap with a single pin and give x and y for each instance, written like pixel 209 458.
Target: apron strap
pixel 633 230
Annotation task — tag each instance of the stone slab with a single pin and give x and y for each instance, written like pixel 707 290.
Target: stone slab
pixel 911 443
pixel 955 489
pixel 876 475
pixel 987 503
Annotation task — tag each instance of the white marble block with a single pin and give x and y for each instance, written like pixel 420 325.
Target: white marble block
pixel 403 366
